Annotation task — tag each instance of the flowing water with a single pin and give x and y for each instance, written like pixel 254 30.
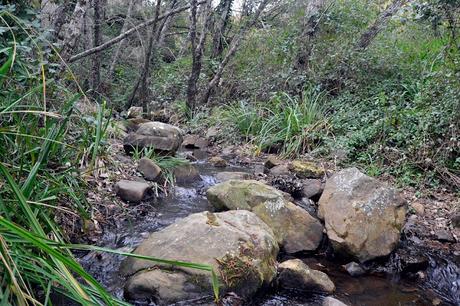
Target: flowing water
pixel 443 276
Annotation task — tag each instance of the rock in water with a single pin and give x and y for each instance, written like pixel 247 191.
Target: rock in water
pixel 237 244
pixel 354 269
pixel 226 176
pixel 194 142
pixel 363 217
pixel 330 301
pixel 159 136
pixel 295 274
pixel 294 228
pixel 131 191
pixel 186 174
pixel 217 161
pixel 149 169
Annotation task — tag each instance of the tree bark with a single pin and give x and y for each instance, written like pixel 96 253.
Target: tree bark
pixel 223 11
pixel 310 29
pixel 128 33
pixel 379 24
pixel 213 83
pixel 197 50
pixel 73 29
pixel 117 52
pixel 96 70
pixel 141 83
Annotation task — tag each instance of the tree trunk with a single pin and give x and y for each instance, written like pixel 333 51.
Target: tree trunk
pixel 379 24
pixel 223 11
pixel 117 52
pixel 231 52
pixel 96 70
pixel 141 83
pixel 73 29
pixel 197 51
pixel 309 31
pixel 128 33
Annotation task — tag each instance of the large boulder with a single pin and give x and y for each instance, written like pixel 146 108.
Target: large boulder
pixel 294 228
pixel 295 274
pixel 159 136
pixel 363 217
pixel 237 244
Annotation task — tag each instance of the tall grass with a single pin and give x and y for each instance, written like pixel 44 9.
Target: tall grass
pixel 289 124
pixel 42 148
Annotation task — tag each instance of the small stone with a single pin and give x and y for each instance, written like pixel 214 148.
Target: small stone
pixel 279 170
pixel 150 171
pixel 271 162
pixel 436 302
pixel 354 269
pixel 186 174
pixel 194 142
pixel 226 176
pixel 455 220
pixel 305 169
pixel 444 236
pixel 295 274
pixel 134 112
pixel 330 301
pixel 419 208
pixel 217 161
pixel 312 188
pixel 212 132
pixel 131 191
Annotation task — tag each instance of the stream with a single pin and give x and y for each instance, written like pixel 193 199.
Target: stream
pixel 440 287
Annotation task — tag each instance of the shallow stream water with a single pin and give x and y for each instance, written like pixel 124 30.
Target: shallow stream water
pixel 443 276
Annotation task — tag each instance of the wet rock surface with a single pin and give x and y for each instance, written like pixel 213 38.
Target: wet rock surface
pixel 294 228
pixel 236 243
pixel 363 217
pixel 295 274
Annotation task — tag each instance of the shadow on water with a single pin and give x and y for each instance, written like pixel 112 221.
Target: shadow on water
pixel 443 277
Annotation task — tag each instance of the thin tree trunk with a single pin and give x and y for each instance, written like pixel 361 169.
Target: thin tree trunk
pixel 310 29
pixel 141 83
pixel 224 11
pixel 128 33
pixel 343 72
pixel 231 52
pixel 96 70
pixel 379 24
pixel 117 52
pixel 73 29
pixel 197 51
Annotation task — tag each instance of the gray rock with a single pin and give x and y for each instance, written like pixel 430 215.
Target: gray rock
pixel 295 274
pixel 186 174
pixel 312 188
pixel 159 136
pixel 444 235
pixel 194 142
pixel 134 112
pixel 212 132
pixel 131 191
pixel 237 244
pixel 149 169
pixel 330 301
pixel 363 217
pixel 354 269
pixel 294 228
pixel 279 170
pixel 217 161
pixel 226 176
pixel 455 219
pixel 271 162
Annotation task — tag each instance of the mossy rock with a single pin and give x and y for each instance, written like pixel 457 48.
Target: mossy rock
pixel 305 169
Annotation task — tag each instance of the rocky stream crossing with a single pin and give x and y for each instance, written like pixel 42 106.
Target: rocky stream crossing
pixel 332 239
